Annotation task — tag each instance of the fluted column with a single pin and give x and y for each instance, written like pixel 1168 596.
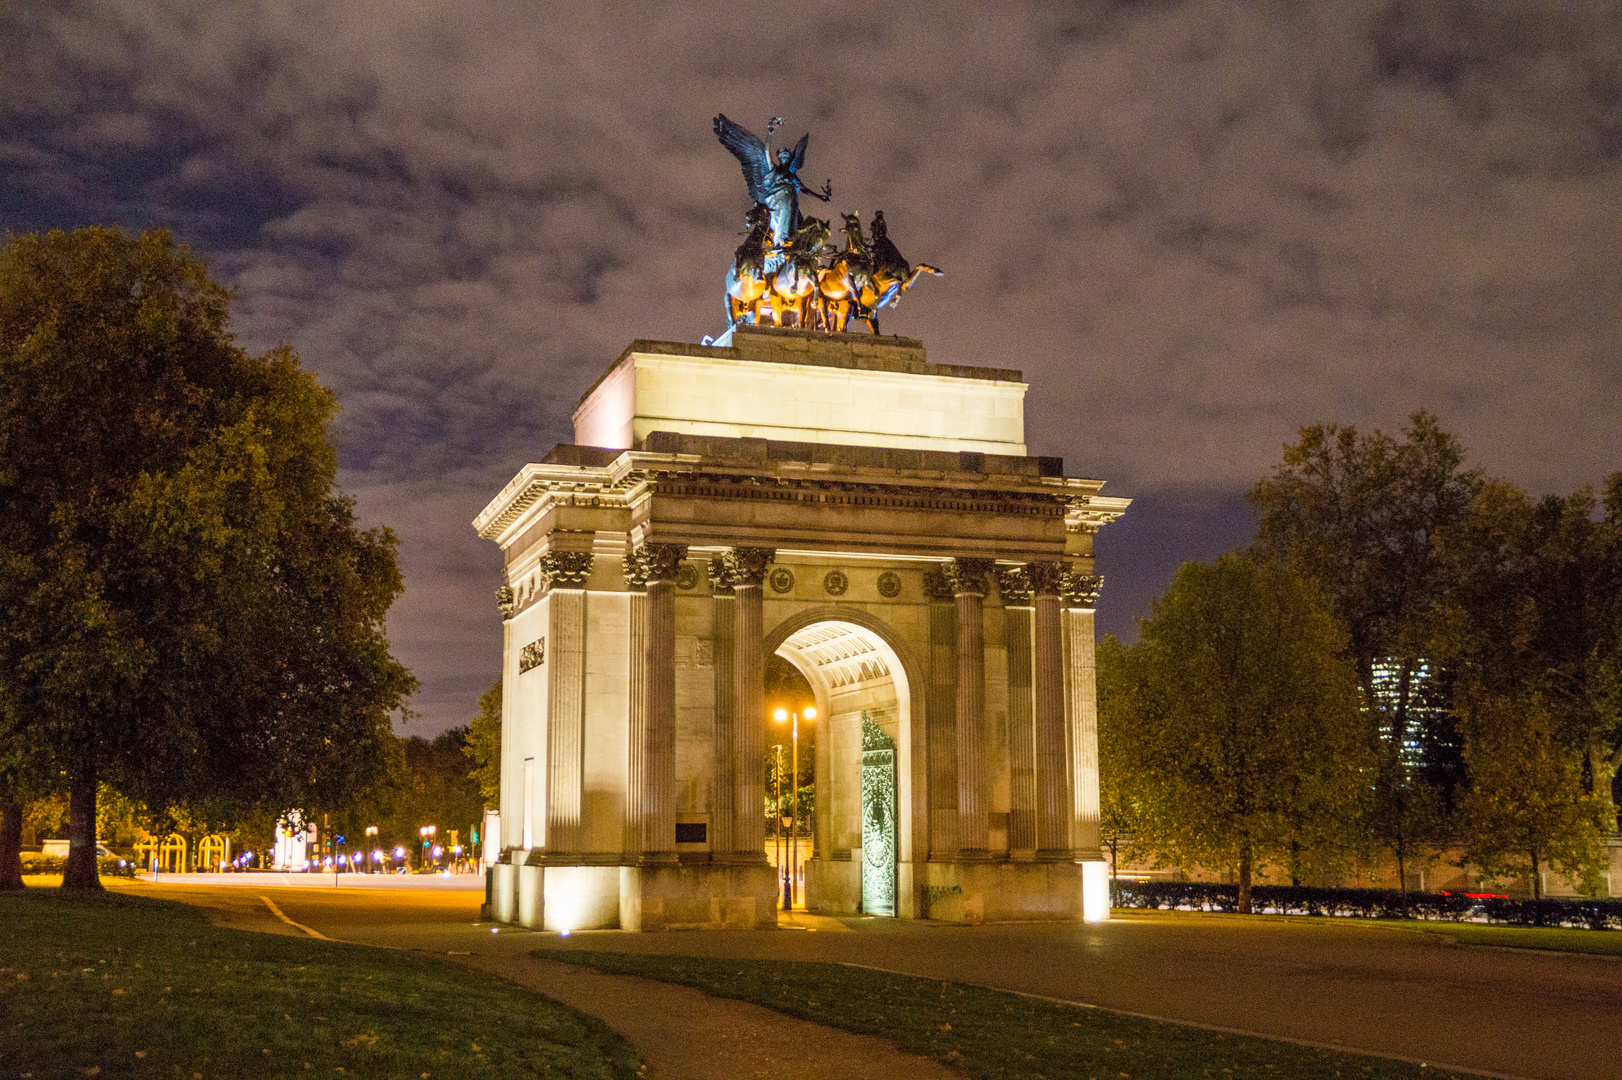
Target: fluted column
pixel 1053 792
pixel 636 743
pixel 724 796
pixel 1079 593
pixel 968 577
pixel 659 563
pixel 1015 585
pixel 746 568
pixel 941 714
pixel 564 575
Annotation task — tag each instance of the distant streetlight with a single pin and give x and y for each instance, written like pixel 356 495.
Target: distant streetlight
pixel 371 840
pixel 427 832
pixel 783 715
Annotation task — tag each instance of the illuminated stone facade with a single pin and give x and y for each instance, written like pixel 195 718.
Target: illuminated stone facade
pixel 873 519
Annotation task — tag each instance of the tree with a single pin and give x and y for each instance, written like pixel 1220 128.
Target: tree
pixel 1533 629
pixel 1362 516
pixel 1121 791
pixel 1234 722
pixel 190 611
pixel 484 747
pixel 1527 807
pixel 437 789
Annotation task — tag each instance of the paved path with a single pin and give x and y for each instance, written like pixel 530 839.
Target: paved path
pixel 1357 985
pixel 681 1033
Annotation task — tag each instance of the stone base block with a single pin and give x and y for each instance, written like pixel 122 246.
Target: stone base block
pixel 697 897
pixel 531 896
pixel 504 893
pixel 834 888
pixel 1002 891
pixel 582 898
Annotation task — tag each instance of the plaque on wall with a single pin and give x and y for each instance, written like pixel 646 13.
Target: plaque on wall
pixel 691 832
pixel 781 579
pixel 836 582
pixel 889 585
pixel 686 576
pixel 532 655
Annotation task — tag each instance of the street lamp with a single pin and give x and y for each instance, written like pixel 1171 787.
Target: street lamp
pixel 371 839
pixel 427 833
pixel 781 716
pixel 777 824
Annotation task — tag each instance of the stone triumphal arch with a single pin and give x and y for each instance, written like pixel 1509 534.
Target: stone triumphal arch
pixel 870 517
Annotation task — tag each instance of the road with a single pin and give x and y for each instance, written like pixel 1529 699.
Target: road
pixel 1355 985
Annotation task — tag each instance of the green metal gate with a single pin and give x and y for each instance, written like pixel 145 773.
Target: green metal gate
pixel 878 820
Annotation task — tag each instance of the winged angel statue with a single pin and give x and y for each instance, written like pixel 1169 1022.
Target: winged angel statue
pixel 779 273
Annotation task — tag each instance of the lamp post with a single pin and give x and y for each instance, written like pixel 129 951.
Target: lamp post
pixel 427 832
pixel 781 716
pixel 777 823
pixel 371 840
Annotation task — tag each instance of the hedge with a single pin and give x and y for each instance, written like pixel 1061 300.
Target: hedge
pixel 107 866
pixel 1369 904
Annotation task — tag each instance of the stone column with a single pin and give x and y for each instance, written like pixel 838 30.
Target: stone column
pixel 746 567
pixel 1079 593
pixel 564 575
pixel 1053 793
pixel 636 743
pixel 968 577
pixel 724 797
pixel 941 717
pixel 1015 585
pixel 659 563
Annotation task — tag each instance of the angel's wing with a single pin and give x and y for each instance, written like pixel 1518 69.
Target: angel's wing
pixel 797 158
pixel 750 152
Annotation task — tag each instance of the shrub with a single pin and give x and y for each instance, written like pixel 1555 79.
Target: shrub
pixel 1370 904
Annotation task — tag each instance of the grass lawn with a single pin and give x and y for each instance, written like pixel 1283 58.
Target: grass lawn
pixel 992 1033
pixel 121 986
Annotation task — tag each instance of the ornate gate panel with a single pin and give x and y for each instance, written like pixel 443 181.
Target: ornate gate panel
pixel 878 820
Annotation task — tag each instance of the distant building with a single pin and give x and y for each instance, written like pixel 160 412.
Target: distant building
pixel 1426 716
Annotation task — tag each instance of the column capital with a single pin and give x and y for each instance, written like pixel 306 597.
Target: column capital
pixel 720 576
pixel 968 575
pixel 1014 584
pixel 1080 590
pixel 658 562
pixel 636 575
pixel 506 601
pixel 936 584
pixel 747 565
pixel 565 569
pixel 1046 577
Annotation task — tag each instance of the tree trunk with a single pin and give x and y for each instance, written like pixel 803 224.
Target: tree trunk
pixel 11 843
pixel 1244 882
pixel 1537 876
pixel 1402 870
pixel 80 872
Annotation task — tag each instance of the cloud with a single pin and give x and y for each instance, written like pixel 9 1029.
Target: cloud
pixel 1195 226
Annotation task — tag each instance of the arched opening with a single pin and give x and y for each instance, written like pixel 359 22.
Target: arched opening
pixel 862 842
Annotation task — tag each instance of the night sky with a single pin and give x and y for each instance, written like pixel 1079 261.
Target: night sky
pixel 1195 227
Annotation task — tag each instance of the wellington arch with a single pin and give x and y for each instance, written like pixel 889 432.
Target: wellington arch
pixel 875 520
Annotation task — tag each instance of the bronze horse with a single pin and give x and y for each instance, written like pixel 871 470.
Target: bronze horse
pixel 795 282
pixel 746 281
pixel 892 274
pixel 845 286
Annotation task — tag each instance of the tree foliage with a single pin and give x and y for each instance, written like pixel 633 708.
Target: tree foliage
pixel 1234 721
pixel 483 747
pixel 190 611
pixel 1533 631
pixel 1362 515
